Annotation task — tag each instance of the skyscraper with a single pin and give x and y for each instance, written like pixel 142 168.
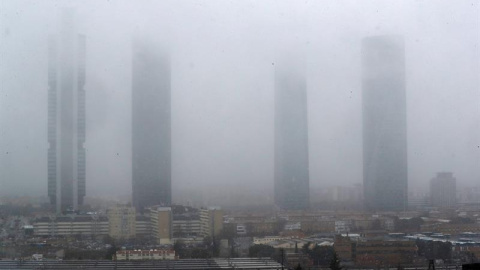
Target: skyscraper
pixel 443 190
pixel 291 138
pixel 151 138
pixel 384 123
pixel 66 116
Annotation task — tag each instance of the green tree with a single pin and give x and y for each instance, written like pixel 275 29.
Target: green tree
pixel 111 252
pixel 305 247
pixel 261 251
pixel 179 248
pixel 200 253
pixel 335 262
pixel 321 255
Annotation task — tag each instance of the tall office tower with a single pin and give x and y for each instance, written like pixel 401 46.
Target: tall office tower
pixel 291 176
pixel 384 124
pixel 443 190
pixel 151 139
pixel 66 116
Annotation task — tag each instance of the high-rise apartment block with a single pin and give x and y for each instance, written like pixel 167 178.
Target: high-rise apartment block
pixel 211 221
pixel 151 138
pixel 291 176
pixel 161 221
pixel 121 222
pixel 384 124
pixel 66 116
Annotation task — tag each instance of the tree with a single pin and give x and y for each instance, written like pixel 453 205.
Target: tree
pixel 212 244
pixel 306 247
pixel 111 252
pixel 200 253
pixel 261 251
pixel 321 255
pixel 335 262
pixel 179 248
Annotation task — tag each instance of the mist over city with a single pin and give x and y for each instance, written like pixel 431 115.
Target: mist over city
pixel 223 56
pixel 240 134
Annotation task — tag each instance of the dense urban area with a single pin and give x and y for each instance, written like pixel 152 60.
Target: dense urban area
pixel 448 233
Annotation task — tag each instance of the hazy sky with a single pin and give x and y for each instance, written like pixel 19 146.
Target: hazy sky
pixel 223 60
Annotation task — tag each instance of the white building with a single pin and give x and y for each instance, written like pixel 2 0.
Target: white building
pixel 153 254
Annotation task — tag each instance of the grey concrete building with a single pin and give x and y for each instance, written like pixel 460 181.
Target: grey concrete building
pixel 384 123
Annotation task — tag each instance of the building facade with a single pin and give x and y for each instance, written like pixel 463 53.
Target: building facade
pixel 161 219
pixel 86 225
pixel 121 222
pixel 156 254
pixel 66 116
pixel 443 190
pixel 211 221
pixel 291 175
pixel 384 124
pixel 151 138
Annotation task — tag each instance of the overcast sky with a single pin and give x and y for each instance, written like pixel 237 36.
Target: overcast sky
pixel 223 60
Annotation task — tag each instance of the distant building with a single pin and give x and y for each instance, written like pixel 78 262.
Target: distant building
pixel 86 225
pixel 384 124
pixel 469 195
pixel 188 224
pixel 375 253
pixel 151 127
pixel 351 193
pixel 121 222
pixel 142 225
pixel 443 190
pixel 162 224
pixel 211 220
pixel 66 116
pixel 155 254
pixel 418 201
pixel 291 176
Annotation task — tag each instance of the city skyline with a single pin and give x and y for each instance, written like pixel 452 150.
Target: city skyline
pixel 222 90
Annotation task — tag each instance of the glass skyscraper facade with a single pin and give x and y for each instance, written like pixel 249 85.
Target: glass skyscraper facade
pixel 151 125
pixel 384 123
pixel 66 116
pixel 291 176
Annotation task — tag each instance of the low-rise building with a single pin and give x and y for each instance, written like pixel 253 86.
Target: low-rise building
pixel 384 253
pixel 155 254
pixel 375 253
pixel 267 239
pixel 91 225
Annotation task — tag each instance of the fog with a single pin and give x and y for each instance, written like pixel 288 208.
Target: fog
pixel 223 56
